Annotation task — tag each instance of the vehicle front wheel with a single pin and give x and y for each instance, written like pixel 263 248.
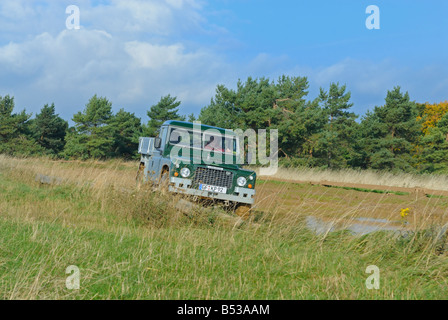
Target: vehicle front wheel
pixel 164 181
pixel 243 210
pixel 140 176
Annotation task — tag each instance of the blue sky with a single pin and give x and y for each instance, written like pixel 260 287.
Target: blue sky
pixel 133 52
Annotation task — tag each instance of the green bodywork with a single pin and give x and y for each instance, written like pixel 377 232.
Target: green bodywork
pixel 166 158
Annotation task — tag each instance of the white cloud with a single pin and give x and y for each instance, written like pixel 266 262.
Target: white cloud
pixel 124 51
pixel 148 17
pixel 18 9
pixel 75 64
pixel 151 56
pixel 369 81
pixel 366 77
pixel 134 51
pixel 20 19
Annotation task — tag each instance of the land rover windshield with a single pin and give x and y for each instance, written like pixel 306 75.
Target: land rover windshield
pixel 205 140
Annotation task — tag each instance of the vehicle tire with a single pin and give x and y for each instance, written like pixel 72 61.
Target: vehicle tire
pixel 164 181
pixel 139 177
pixel 243 210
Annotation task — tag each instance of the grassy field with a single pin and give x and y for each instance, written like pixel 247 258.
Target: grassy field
pixel 368 177
pixel 135 244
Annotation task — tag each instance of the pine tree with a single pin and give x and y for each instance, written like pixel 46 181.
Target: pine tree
pixel 10 124
pixel 434 156
pixel 49 129
pixel 14 134
pixel 191 117
pixel 390 133
pixel 338 135
pixel 261 104
pixel 222 112
pixel 295 118
pixel 126 131
pixel 165 109
pixel 92 136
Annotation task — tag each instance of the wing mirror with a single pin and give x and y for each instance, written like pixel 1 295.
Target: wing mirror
pixel 157 143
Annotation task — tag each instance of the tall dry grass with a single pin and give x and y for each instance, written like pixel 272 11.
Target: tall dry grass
pixel 136 244
pixel 96 173
pixel 368 177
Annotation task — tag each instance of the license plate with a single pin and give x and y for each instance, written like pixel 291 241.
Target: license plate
pixel 206 187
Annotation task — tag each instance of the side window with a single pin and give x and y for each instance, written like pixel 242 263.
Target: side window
pixel 179 136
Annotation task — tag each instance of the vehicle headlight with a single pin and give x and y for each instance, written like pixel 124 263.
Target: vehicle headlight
pixel 185 172
pixel 241 181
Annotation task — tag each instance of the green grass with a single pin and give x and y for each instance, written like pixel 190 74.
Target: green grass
pixel 131 245
pixel 435 196
pixel 298 185
pixel 398 193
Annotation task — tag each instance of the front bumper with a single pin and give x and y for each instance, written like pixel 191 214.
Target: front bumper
pixel 241 195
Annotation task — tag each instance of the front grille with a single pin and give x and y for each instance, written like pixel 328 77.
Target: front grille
pixel 220 178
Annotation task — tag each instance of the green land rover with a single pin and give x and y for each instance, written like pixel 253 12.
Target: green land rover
pixel 201 161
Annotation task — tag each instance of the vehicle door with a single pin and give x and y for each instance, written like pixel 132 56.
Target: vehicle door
pixel 156 160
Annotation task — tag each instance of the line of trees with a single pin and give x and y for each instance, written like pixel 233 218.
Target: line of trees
pixel 400 135
pixel 97 133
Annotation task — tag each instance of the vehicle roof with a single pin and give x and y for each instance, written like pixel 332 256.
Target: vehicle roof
pixel 190 125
